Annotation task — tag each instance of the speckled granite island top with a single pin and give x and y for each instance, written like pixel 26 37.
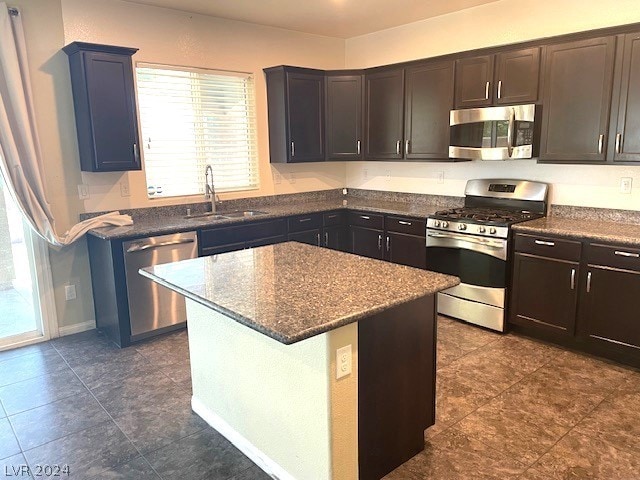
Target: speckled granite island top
pixel 593 230
pixel 292 291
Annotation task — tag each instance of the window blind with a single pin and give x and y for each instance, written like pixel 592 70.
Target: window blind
pixel 191 118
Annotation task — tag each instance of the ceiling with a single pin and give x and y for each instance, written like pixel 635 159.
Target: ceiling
pixel 334 18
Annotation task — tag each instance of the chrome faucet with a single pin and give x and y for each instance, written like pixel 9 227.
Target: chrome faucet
pixel 209 188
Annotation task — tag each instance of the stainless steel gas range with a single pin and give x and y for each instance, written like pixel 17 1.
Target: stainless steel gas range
pixel 472 243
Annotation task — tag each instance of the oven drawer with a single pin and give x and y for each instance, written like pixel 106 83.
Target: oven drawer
pixel 548 247
pixel 614 256
pixel 370 220
pixel 408 225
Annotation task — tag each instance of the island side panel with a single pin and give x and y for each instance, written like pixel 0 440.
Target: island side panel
pixel 396 385
pixel 271 400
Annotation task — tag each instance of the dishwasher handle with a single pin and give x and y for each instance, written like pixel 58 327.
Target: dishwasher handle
pixel 147 246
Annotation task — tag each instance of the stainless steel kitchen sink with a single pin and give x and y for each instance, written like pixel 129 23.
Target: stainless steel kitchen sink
pixel 245 213
pixel 208 215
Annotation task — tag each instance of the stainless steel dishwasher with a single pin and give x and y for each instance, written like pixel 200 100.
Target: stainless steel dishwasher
pixel 154 309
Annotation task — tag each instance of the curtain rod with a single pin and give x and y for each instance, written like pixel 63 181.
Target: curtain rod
pixel 14 11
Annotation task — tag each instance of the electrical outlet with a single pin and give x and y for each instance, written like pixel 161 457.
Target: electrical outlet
pixel 387 175
pixel 83 192
pixel 440 177
pixel 343 361
pixel 124 189
pixel 277 178
pixel 70 292
pixel 626 184
pixel 292 178
pixel 365 174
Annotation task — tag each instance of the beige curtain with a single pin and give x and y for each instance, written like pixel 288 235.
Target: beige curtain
pixel 21 160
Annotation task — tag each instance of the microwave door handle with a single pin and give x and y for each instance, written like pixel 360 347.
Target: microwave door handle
pixel 511 131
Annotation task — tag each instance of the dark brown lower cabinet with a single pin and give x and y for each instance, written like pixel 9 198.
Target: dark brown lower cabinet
pixel 406 249
pixel 589 302
pixel 544 293
pixel 311 237
pixel 367 242
pixel 335 237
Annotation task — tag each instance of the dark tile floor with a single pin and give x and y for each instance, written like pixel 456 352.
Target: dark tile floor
pixel 507 407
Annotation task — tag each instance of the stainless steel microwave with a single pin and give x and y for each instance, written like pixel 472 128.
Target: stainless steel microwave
pixel 492 133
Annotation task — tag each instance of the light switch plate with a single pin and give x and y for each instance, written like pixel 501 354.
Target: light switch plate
pixel 83 192
pixel 343 361
pixel 626 184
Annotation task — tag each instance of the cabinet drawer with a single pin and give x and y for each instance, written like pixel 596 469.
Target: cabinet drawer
pixel 334 218
pixel 408 225
pixel 614 256
pixel 301 223
pixel 548 247
pixel 213 237
pixel 364 219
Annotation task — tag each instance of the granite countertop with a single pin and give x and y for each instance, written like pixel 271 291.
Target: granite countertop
pixel 177 223
pixel 594 230
pixel 292 291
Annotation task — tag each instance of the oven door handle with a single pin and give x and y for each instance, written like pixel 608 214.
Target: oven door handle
pixel 497 244
pixel 510 132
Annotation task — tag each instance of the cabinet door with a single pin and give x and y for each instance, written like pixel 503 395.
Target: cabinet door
pixel 517 75
pixel 543 293
pixel 335 238
pixel 367 242
pixel 428 101
pixel 625 144
pixel 473 81
pixel 384 107
pixel 406 249
pixel 112 143
pixel 578 78
pixel 344 117
pixel 306 117
pixel 312 237
pixel 609 307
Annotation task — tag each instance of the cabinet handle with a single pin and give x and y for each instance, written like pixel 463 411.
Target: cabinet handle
pixel 293 149
pixel 588 282
pixel 573 279
pixel 406 147
pixel 136 153
pixel 546 244
pixel 318 239
pixel 626 254
pixel 388 244
pixel 358 146
pixel 379 242
pixel 364 217
pixel 326 239
pixel 398 147
pixel 618 142
pixel 402 222
pixel 499 88
pixel 304 220
pixel 600 143
pixel 486 90
pixel 332 216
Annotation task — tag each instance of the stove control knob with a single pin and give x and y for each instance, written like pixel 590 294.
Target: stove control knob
pixel 436 223
pixel 492 231
pixel 482 229
pixel 462 226
pixel 445 224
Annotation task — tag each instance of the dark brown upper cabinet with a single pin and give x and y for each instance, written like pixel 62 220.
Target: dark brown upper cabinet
pixel 505 78
pixel 428 101
pixel 344 117
pixel 578 82
pixel 105 107
pixel 384 114
pixel 295 100
pixel 625 114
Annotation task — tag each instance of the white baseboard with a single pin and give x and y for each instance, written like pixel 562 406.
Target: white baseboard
pixel 77 328
pixel 245 446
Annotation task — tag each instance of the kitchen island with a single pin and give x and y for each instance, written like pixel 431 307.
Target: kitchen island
pixel 317 364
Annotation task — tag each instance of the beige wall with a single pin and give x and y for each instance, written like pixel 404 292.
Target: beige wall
pixel 178 38
pixel 498 23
